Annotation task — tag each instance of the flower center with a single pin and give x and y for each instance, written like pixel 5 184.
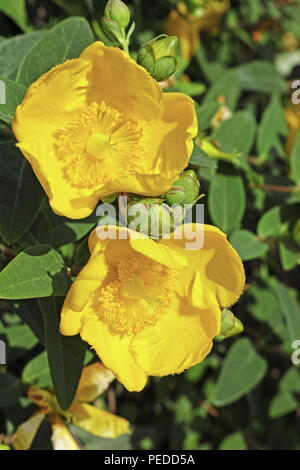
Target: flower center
pixel 99 146
pixel 136 298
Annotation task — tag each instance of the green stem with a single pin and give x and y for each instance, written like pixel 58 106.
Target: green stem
pixel 125 47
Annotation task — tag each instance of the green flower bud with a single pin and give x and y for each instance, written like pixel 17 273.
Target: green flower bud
pixel 112 29
pixel 109 199
pixel 152 217
pixel 160 57
pixel 185 190
pixel 230 325
pixel 296 232
pixel 118 11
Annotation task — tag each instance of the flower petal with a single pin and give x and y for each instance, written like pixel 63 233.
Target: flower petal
pixel 26 432
pixel 64 198
pixel 87 281
pixel 98 422
pixel 52 101
pixel 95 379
pixel 114 352
pixel 127 242
pixel 180 339
pixel 215 273
pixel 117 79
pixel 61 437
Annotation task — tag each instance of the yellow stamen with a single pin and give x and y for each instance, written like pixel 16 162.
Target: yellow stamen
pixel 136 298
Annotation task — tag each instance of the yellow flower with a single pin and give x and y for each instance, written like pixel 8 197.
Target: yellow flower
pixel 152 308
pixel 292 115
pixel 187 26
pixel 101 124
pixel 211 19
pixel 95 380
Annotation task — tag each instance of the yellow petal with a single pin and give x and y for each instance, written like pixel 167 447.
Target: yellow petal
pixel 183 24
pixel 180 339
pixel 61 437
pixel 95 379
pixel 172 136
pixel 87 281
pixel 171 139
pixel 114 352
pixel 52 101
pixel 64 198
pixel 215 273
pixel 127 242
pixel 26 432
pixel 118 80
pixel 98 422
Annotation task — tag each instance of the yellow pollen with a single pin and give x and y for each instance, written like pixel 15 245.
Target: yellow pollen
pixel 136 299
pixel 98 145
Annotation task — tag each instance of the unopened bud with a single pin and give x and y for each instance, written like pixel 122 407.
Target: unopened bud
pixel 160 57
pixel 230 325
pixel 109 199
pixel 118 11
pixel 185 190
pixel 152 217
pixel 112 29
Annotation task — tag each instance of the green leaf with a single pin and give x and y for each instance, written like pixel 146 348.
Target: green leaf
pixel 288 258
pixel 290 309
pixel 273 126
pixel 283 404
pixel 11 95
pixel 92 442
pixel 226 201
pixel 37 372
pixel 205 115
pixel 264 307
pixel 227 86
pixel 67 231
pixel 38 271
pixel 242 371
pixel 237 133
pixel 295 161
pixel 21 195
pixel 64 41
pixel 9 390
pixel 29 312
pixel 269 224
pixel 290 382
pixel 19 339
pixel 211 70
pixel 16 10
pixel 247 245
pixel 40 233
pixel 199 157
pixel 13 50
pixel 260 76
pixel 82 254
pixel 234 441
pixel 65 354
